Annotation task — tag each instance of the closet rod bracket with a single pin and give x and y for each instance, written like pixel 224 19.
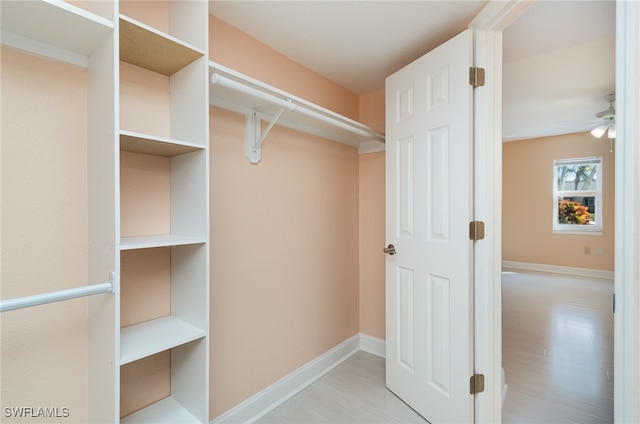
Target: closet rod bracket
pixel 254 134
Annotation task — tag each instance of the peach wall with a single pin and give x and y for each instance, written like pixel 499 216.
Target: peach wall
pixel 145 285
pixel 144 382
pixel 154 13
pixel 145 194
pixel 144 101
pixel 371 110
pixel 101 8
pixel 371 177
pixel 44 233
pixel 235 49
pixel 284 256
pixel 145 293
pixel 145 198
pixel 285 247
pixel 527 203
pixel 372 240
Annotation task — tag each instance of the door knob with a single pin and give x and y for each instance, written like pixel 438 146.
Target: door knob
pixel 391 250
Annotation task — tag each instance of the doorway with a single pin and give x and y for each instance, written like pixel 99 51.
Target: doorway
pixel 548 316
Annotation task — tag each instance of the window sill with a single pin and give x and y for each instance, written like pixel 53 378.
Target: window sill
pixel 578 232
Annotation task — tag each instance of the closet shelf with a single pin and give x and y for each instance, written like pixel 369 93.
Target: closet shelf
pixel 148 338
pixel 167 410
pixel 152 145
pixel 53 29
pixel 148 48
pixel 231 90
pixel 168 240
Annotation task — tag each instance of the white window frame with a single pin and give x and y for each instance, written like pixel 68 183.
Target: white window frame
pixel 592 229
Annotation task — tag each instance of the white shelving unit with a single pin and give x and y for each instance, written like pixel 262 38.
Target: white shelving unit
pixel 177 53
pixel 171 42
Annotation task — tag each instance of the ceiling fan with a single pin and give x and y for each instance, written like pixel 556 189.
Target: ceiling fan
pixel 608 119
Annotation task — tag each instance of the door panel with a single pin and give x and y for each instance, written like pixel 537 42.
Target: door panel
pixel 404 169
pixel 429 170
pixel 439 183
pixel 405 327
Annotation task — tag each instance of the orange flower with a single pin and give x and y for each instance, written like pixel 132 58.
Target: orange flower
pixel 570 212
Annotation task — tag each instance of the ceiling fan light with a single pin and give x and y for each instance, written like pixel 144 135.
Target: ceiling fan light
pixel 599 131
pixel 612 132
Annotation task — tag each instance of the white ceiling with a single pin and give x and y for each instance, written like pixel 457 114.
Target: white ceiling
pixel 559 63
pixel 558 57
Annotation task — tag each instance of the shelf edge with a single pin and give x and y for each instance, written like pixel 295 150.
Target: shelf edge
pixel 149 242
pixel 188 332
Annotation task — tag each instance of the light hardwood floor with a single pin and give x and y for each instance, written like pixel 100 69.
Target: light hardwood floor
pixel 557 353
pixel 353 392
pixel 557 345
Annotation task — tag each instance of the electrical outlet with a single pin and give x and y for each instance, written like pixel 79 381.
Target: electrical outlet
pixel 587 250
pixel 600 251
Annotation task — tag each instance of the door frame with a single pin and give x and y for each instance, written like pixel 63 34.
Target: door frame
pixel 488 27
pixel 627 232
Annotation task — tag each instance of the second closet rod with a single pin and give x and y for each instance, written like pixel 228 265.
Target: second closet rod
pixel 44 298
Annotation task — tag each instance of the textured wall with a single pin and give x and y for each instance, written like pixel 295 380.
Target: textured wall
pixel 284 256
pixel 44 234
pixel 284 238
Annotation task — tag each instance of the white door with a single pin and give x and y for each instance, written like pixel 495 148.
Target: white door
pixel 429 301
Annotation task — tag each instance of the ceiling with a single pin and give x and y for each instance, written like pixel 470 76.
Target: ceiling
pixel 555 74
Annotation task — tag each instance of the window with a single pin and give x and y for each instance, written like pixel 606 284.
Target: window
pixel 577 191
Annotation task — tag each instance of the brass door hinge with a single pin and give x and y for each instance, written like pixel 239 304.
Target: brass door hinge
pixel 476 383
pixel 476 77
pixel 476 230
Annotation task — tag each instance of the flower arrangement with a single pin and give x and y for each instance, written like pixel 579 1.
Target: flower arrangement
pixel 571 212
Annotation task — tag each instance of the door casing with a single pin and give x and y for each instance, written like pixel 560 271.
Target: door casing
pixel 488 26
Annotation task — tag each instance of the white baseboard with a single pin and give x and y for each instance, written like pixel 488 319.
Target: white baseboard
pixel 268 399
pixel 581 272
pixel 373 345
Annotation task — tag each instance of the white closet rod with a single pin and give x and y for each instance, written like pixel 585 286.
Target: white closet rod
pixel 285 103
pixel 41 299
